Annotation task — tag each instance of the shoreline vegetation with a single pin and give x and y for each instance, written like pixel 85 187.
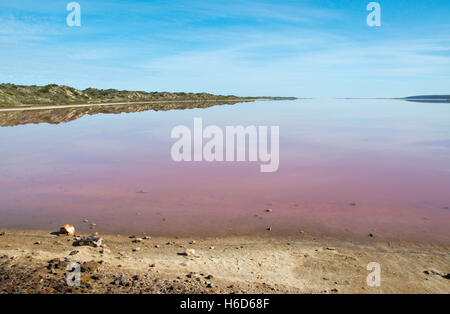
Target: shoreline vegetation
pixel 36 261
pixel 429 98
pixel 55 104
pixel 22 96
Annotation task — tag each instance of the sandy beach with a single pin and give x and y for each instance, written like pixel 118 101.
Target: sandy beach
pixel 34 261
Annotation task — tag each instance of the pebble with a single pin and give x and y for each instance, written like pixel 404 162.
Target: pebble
pixel 67 230
pixel 2 233
pixel 136 249
pixel 137 240
pixel 434 272
pixel 90 241
pixel 90 266
pixel 189 252
pixel 268 210
pixel 74 252
pixel 120 280
pixel 37 242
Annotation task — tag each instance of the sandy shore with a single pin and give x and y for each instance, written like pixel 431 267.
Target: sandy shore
pixel 36 262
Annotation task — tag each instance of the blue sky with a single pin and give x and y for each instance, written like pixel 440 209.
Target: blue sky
pixel 314 48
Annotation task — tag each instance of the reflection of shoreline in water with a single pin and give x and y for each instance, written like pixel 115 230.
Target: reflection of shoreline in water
pixel 440 101
pixel 60 115
pixel 429 99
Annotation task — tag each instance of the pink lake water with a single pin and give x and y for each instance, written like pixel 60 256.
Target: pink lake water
pixel 390 157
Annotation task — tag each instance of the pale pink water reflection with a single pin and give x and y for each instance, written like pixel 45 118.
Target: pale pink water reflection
pixel 389 157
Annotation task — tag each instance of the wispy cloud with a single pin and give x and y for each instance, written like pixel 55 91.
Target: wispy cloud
pixel 302 48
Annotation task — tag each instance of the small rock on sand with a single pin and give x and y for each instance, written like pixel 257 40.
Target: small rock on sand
pixel 136 249
pixel 56 263
pixel 67 230
pixel 434 272
pixel 269 210
pixel 91 266
pixel 74 252
pixel 2 233
pixel 105 250
pixel 189 252
pixel 119 281
pixel 90 241
pixel 137 240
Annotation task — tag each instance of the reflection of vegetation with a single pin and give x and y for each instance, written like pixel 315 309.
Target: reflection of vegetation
pixel 19 96
pixel 55 116
pixel 52 94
